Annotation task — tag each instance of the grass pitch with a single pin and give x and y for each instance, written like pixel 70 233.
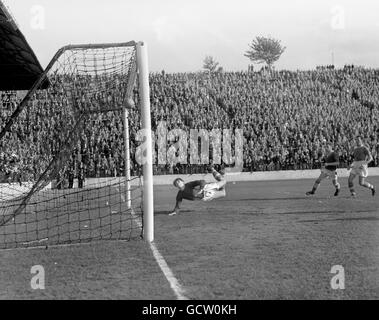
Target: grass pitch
pixel 265 240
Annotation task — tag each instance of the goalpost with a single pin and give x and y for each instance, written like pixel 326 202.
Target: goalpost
pixel 146 125
pixel 73 129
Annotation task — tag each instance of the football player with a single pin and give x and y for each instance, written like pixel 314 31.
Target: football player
pixel 362 157
pixel 199 190
pixel 329 170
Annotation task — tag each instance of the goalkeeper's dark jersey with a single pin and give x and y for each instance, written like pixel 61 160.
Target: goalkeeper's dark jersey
pixel 190 192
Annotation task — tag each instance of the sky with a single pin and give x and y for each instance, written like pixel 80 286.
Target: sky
pixel 181 33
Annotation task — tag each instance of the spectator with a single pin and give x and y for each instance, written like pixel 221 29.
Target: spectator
pixel 285 117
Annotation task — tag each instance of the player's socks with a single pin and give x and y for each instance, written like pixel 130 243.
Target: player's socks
pixel 315 187
pixel 371 187
pixel 216 175
pixel 352 190
pixel 338 188
pixel 368 186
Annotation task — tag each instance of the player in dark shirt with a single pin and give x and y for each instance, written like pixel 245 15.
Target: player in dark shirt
pixel 199 190
pixel 328 171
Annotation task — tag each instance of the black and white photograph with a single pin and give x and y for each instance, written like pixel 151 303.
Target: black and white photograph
pixel 195 152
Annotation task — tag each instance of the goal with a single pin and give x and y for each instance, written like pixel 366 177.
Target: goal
pixel 68 173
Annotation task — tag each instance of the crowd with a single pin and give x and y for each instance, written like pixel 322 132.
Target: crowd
pixel 285 117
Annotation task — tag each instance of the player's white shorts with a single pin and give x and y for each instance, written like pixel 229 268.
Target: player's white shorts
pixel 360 168
pixel 212 191
pixel 325 173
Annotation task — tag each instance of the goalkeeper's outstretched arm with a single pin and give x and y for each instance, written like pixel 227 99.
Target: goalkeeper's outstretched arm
pixel 179 201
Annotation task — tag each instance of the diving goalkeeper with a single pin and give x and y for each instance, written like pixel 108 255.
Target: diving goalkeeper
pixel 199 190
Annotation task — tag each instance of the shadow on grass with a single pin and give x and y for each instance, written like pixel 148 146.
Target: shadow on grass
pixel 166 212
pixel 273 199
pixel 343 219
pixel 316 198
pixel 295 212
pixel 317 212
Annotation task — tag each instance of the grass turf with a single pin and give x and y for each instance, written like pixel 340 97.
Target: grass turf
pixel 265 240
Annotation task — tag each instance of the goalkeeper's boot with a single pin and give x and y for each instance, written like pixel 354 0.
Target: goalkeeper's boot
pixel 336 194
pixel 172 214
pixel 353 194
pixel 310 193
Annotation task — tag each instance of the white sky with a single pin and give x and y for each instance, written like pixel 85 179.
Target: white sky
pixel 180 33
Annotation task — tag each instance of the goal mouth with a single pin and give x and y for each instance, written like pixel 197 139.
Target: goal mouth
pixel 70 216
pixel 76 130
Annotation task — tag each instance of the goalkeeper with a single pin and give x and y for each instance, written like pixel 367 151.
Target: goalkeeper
pixel 199 190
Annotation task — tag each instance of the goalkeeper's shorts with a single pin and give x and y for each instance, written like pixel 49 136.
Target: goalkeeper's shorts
pixel 212 191
pixel 213 194
pixel 359 168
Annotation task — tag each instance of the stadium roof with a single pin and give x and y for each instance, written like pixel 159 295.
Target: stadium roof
pixel 19 67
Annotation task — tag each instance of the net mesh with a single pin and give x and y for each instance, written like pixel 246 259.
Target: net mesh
pixel 54 185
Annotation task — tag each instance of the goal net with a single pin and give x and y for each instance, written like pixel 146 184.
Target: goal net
pixel 65 151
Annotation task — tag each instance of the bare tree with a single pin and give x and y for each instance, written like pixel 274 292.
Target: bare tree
pixel 211 65
pixel 265 50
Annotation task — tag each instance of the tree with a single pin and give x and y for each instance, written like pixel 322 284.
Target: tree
pixel 210 64
pixel 265 50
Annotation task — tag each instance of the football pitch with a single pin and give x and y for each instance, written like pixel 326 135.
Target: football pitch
pixel 265 240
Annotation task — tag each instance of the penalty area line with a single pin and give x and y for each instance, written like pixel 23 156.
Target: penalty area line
pixel 170 277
